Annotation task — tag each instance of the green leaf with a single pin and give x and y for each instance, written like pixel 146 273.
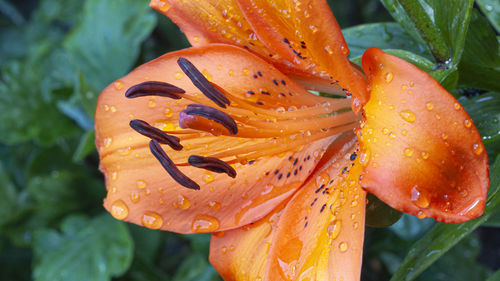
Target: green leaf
pixel 441 27
pixel 85 147
pixel 442 237
pixel 26 110
pixel 491 8
pixel 495 276
pixel 480 66
pixel 8 196
pixel 388 35
pixel 458 264
pixel 196 268
pixel 95 250
pixel 485 112
pixel 106 42
pixel 379 214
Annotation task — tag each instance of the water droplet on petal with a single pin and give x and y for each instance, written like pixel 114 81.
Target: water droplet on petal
pixel 135 197
pixel 118 85
pixel 178 75
pixel 141 184
pixel 182 203
pixel 214 205
pixel 408 151
pixel 333 229
pixel 388 77
pixel 208 177
pixel 343 246
pixel 419 199
pixel 364 157
pixel 425 155
pixel 152 220
pixel 168 112
pixel 467 123
pixel 429 106
pixel 477 148
pixel 204 223
pixel 119 210
pixel 407 115
pixel 421 215
pixel 457 106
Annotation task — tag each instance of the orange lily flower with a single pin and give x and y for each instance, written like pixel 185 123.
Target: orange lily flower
pixel 224 138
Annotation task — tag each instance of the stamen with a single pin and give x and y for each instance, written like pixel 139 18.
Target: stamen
pixel 207 88
pixel 170 167
pixel 211 164
pixel 211 114
pixel 151 132
pixel 154 88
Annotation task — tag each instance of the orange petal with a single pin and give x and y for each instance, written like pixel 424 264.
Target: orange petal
pixel 242 253
pixel 421 152
pixel 222 21
pixel 306 34
pixel 140 191
pixel 320 232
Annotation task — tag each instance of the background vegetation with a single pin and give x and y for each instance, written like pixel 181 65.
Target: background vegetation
pixel 56 56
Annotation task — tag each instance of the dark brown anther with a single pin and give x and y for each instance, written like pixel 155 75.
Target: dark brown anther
pixel 151 132
pixel 170 167
pixel 212 114
pixel 154 88
pixel 207 88
pixel 212 164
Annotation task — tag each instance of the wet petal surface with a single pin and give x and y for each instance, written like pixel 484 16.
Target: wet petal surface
pixel 421 152
pixel 269 152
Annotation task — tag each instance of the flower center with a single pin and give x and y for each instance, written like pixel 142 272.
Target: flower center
pixel 261 130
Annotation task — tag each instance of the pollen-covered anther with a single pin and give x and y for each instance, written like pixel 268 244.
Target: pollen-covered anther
pixel 154 88
pixel 170 167
pixel 151 132
pixel 207 112
pixel 212 164
pixel 207 88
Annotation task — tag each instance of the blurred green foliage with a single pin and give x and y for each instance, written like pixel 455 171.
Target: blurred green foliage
pixel 57 55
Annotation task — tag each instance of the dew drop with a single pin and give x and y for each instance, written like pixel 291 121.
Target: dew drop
pixel 364 157
pixel 407 115
pixel 385 131
pixel 152 220
pixel 196 39
pixel 478 149
pixel 208 177
pixel 355 225
pixel 457 106
pixel 151 103
pixel 343 247
pixel 182 203
pixel 204 223
pixel 125 151
pixel 333 229
pixel 419 199
pixel 107 142
pixel 329 50
pixel 421 215
pixel 141 184
pixel 404 132
pixel 388 77
pixel 408 151
pixel 429 106
pixel 313 28
pixel 168 112
pixel 119 210
pixel 223 249
pixel 467 123
pixel 425 155
pixel 118 85
pixel 214 205
pixel 178 75
pixel 135 197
